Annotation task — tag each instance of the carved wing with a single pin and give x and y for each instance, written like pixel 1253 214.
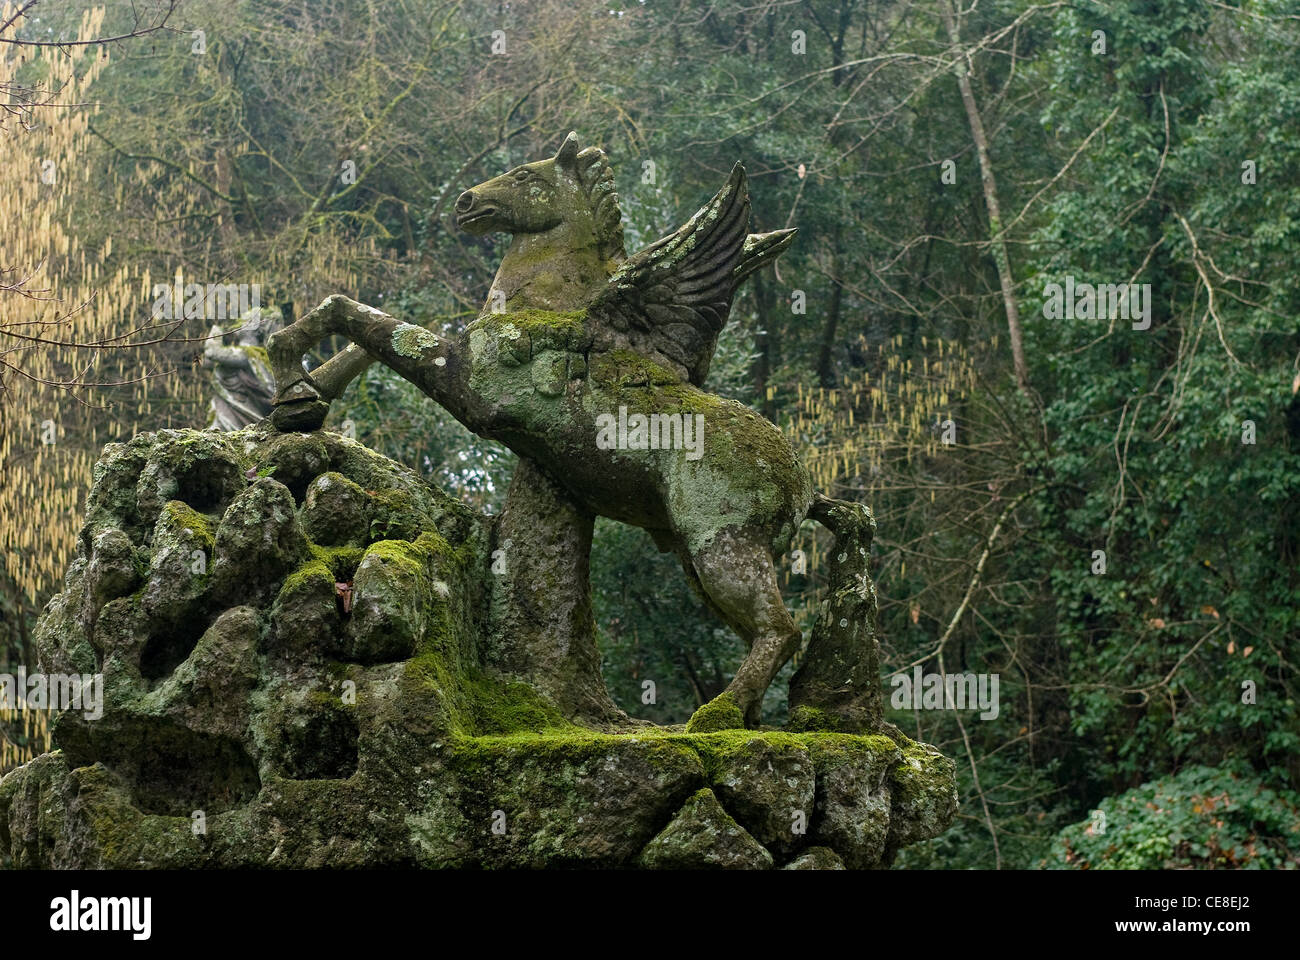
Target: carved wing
pixel 674 296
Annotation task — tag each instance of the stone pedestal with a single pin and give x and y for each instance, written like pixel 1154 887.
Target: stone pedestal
pixel 304 667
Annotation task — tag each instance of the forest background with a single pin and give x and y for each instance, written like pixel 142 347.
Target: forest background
pixel 1104 513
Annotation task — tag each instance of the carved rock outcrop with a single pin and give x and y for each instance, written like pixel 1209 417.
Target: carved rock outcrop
pixel 302 668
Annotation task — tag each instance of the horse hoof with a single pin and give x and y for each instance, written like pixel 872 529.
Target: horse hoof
pixel 302 416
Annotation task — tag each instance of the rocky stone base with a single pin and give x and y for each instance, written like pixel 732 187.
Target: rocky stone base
pixel 660 800
pixel 294 636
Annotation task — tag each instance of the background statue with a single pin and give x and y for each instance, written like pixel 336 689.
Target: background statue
pixel 242 384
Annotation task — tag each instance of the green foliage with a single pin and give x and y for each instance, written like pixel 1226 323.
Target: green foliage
pixel 1199 818
pixel 1149 460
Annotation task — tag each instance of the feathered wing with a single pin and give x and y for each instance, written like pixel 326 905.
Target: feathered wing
pixel 674 296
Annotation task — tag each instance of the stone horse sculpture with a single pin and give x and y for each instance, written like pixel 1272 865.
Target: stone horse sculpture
pixel 589 365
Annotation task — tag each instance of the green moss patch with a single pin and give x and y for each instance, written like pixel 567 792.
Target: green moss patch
pixel 180 516
pixel 720 713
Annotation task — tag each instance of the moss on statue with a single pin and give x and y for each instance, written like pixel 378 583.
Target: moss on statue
pixel 720 713
pixel 570 325
pixel 412 341
pixel 181 516
pixel 259 356
pixel 615 370
pixel 808 719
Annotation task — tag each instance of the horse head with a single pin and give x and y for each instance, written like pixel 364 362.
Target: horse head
pixel 561 207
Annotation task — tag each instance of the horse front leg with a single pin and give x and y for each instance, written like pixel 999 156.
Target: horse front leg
pixel 333 376
pixel 431 362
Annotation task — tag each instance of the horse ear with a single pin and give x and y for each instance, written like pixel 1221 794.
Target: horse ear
pixel 567 156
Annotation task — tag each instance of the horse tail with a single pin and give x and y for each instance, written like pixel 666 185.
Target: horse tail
pixel 837 685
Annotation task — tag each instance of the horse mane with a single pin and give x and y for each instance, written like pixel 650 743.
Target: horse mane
pixel 596 176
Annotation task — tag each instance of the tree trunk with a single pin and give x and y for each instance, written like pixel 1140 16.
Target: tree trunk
pixel 996 241
pixel 826 352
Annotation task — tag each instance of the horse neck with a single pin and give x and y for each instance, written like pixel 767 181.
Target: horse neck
pixel 529 276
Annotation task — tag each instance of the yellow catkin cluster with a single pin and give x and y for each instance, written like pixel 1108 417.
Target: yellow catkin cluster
pixel 42 477
pixel 48 436
pixel 61 403
pixel 23 735
pixel 894 412
pixel 63 191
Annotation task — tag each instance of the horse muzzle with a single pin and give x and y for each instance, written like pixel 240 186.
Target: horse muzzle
pixel 474 216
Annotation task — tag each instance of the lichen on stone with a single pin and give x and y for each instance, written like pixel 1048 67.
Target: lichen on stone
pixel 412 341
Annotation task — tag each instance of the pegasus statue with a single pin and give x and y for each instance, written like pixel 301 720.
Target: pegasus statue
pixel 590 365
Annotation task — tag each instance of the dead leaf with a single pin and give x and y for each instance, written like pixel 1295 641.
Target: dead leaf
pixel 344 592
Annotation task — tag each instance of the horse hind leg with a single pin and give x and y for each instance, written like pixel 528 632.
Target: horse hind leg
pixel 739 578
